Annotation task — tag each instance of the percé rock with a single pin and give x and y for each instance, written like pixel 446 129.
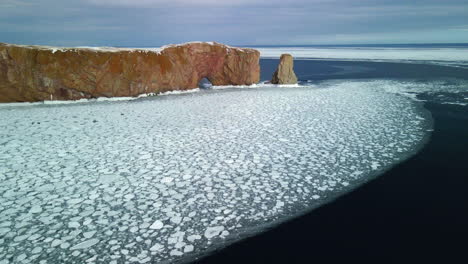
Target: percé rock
pixel 285 72
pixel 37 73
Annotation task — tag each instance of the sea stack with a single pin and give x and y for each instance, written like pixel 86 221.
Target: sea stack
pixel 285 72
pixel 38 73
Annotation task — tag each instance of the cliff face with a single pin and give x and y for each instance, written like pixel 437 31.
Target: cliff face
pixel 36 73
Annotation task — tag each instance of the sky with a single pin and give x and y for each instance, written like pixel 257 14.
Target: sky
pixel 148 23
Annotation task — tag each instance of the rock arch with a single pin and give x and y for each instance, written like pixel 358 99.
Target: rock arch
pixel 205 83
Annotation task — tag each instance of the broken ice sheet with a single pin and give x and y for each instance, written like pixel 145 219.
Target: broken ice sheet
pixel 176 176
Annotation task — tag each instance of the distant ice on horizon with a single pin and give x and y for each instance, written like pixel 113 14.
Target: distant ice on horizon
pixel 451 56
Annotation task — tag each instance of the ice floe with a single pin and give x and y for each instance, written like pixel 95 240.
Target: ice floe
pixel 157 225
pixel 164 178
pixel 450 91
pixel 211 232
pixel 86 244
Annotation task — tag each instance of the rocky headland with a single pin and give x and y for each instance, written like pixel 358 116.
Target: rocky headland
pixel 38 73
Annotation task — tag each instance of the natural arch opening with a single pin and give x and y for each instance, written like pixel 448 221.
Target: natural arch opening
pixel 205 84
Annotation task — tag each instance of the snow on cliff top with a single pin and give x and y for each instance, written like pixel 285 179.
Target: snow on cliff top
pixel 118 49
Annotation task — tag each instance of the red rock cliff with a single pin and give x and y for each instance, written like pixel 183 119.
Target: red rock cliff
pixel 37 73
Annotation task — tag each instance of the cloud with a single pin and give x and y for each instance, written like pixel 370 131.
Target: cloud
pixel 8 4
pixel 166 3
pixel 158 22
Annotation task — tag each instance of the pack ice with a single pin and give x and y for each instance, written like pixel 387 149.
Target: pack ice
pixel 167 178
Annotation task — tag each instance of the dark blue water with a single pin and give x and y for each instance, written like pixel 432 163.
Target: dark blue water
pixel 326 70
pixel 415 213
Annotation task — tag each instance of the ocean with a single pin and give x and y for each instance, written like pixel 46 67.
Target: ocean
pixel 417 211
pixel 364 160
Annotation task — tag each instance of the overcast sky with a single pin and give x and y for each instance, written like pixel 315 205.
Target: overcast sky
pixel 237 22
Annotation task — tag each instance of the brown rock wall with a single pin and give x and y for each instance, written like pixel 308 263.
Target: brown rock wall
pixel 37 73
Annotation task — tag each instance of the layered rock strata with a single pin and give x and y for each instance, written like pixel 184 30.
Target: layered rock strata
pixel 37 73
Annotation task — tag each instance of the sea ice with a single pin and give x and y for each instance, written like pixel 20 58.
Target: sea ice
pixel 157 225
pixel 36 209
pixel 213 231
pixel 156 247
pixel 158 177
pixel 176 252
pixel 176 219
pixel 89 234
pixel 445 56
pixel 85 244
pixel 188 248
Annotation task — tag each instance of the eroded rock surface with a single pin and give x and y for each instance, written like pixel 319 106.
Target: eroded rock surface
pixel 285 72
pixel 37 73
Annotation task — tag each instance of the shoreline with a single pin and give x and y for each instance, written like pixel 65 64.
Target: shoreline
pixel 384 220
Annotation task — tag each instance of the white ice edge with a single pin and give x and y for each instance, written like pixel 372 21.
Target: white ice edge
pixel 79 101
pixel 410 91
pixel 128 98
pixel 416 54
pixel 157 50
pixel 454 57
pixel 457 64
